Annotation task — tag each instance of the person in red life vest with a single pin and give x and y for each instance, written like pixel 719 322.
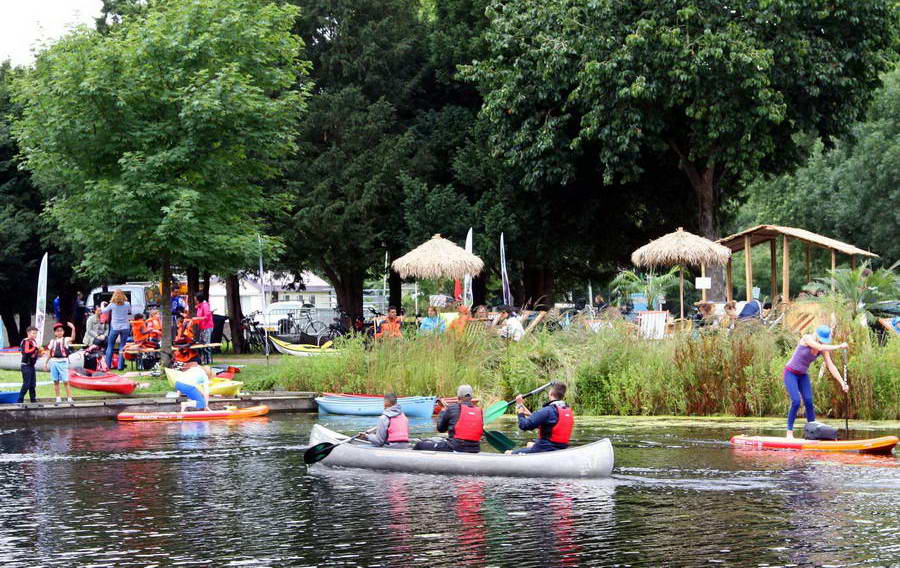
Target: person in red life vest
pixel 184 330
pixel 462 421
pixel 59 349
pixel 205 324
pixel 391 325
pixel 30 353
pixel 141 333
pixel 553 422
pixel 392 430
pixel 154 325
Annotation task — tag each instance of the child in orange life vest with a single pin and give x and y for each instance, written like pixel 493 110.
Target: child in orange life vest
pixel 554 422
pixel 140 333
pixel 154 325
pixel 184 338
pixel 392 429
pixel 59 349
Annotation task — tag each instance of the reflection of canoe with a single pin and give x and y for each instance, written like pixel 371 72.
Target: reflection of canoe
pixel 588 461
pixel 11 359
pixel 108 382
pixel 218 387
pixel 413 406
pixel 248 412
pixel 299 350
pixel 882 445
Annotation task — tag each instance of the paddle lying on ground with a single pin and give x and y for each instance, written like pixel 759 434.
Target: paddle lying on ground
pixel 497 409
pixel 320 451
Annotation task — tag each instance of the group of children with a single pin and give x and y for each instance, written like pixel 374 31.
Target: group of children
pixel 57 350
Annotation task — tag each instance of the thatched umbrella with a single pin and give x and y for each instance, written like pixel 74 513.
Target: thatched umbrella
pixel 680 248
pixel 438 258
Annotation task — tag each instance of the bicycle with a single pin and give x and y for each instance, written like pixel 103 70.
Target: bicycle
pixel 304 325
pixel 253 333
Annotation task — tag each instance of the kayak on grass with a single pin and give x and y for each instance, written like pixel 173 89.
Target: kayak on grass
pixel 882 445
pixel 301 350
pixel 249 412
pixel 413 406
pixel 593 460
pixel 106 382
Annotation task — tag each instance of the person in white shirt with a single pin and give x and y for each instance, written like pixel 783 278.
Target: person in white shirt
pixel 509 325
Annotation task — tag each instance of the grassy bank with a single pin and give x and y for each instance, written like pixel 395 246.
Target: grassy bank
pixel 609 373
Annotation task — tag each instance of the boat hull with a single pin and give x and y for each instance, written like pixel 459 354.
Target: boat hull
pixel 590 461
pixel 11 359
pixel 9 397
pixel 413 406
pixel 882 445
pixel 299 350
pixel 249 412
pixel 105 383
pixel 218 386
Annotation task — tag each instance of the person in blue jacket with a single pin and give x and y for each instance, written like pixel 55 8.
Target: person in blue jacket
pixel 554 422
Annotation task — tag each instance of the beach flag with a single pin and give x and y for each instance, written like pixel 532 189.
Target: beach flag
pixel 507 294
pixel 467 296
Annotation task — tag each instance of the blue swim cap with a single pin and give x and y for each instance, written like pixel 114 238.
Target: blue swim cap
pixel 823 332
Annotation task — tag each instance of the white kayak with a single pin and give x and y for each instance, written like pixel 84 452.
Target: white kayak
pixel 592 460
pixel 11 359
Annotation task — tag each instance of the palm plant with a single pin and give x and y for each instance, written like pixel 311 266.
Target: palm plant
pixel 858 289
pixel 651 285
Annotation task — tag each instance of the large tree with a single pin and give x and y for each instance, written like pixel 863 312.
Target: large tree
pixel 721 88
pixel 151 141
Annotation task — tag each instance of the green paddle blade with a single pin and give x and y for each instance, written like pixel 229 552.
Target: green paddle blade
pixel 499 440
pixel 317 453
pixel 495 411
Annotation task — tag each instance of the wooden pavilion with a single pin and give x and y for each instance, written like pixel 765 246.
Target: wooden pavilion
pixel 761 234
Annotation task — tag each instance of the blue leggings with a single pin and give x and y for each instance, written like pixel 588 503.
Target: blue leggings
pixel 797 386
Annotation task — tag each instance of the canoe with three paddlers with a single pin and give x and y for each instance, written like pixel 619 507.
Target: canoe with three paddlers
pixel 594 460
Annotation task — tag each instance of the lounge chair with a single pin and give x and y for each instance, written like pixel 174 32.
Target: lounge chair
pixel 653 324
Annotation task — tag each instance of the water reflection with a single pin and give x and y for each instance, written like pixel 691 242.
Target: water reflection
pixel 237 493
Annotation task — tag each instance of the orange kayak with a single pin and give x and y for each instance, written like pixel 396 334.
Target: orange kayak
pixel 248 412
pixel 882 445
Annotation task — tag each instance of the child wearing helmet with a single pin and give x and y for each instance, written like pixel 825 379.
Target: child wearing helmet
pixel 796 372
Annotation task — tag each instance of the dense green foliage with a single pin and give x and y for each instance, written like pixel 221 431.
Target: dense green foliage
pixel 850 191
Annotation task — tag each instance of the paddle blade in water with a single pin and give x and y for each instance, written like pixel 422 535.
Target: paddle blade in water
pixel 317 453
pixel 495 411
pixel 499 440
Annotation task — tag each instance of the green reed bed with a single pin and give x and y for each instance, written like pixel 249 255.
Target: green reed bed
pixel 609 373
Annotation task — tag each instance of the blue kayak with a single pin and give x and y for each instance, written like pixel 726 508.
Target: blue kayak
pixel 413 406
pixel 9 397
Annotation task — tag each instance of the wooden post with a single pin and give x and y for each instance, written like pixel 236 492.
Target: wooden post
pixel 853 262
pixel 748 268
pixel 729 285
pixel 773 282
pixel 786 270
pixel 833 267
pixel 681 290
pixel 703 274
pixel 808 263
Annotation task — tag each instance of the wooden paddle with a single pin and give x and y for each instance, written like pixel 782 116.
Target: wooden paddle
pixel 320 451
pixel 497 409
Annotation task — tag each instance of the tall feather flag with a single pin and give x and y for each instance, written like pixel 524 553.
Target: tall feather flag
pixel 468 297
pixel 507 295
pixel 40 310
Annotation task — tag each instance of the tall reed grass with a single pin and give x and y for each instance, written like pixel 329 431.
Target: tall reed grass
pixel 610 372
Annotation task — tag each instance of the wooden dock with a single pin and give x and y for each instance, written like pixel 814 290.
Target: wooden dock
pixel 97 408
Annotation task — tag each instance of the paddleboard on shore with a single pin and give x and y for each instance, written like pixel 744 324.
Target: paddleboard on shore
pixel 882 445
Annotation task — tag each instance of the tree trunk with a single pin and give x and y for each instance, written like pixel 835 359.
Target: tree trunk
pixel 705 181
pixel 479 290
pixel 539 286
pixel 166 343
pixel 348 287
pixel 9 322
pixel 235 313
pixel 193 285
pixel 395 290
pixel 205 284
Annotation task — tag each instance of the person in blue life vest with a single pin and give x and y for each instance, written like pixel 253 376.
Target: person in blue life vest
pixel 462 421
pixel 554 422
pixel 392 430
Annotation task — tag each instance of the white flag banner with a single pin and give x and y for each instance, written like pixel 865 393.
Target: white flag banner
pixel 468 297
pixel 507 294
pixel 40 309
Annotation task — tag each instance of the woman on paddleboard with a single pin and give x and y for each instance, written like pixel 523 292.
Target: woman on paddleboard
pixel 796 372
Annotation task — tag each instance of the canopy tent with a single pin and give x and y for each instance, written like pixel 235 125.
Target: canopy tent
pixel 760 234
pixel 681 248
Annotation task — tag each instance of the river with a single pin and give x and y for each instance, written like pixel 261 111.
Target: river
pixel 238 494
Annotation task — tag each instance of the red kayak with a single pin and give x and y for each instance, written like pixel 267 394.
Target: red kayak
pixel 106 382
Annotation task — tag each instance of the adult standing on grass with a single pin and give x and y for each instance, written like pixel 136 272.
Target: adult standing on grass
pixel 796 372
pixel 59 349
pixel 204 320
pixel 119 310
pixel 30 353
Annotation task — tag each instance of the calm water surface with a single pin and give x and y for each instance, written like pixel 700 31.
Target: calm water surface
pixel 238 494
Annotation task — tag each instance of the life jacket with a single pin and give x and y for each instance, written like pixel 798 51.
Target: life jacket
pixel 185 331
pixel 58 348
pixel 470 426
pixel 154 327
pixel 185 355
pixel 390 328
pixel 138 332
pixel 562 430
pixel 29 357
pixel 398 428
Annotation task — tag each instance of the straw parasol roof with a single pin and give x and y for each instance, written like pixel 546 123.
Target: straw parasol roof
pixel 681 248
pixel 438 258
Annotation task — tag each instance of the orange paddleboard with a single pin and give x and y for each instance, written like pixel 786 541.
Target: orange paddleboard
pixel 248 412
pixel 882 445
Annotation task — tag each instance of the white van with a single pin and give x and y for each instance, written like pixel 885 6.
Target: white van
pixel 139 294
